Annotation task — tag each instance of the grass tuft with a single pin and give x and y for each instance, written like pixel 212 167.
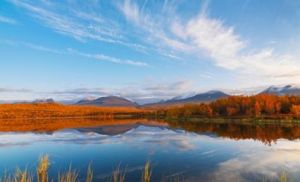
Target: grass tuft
pixel 42 169
pixel 283 177
pixel 118 175
pixel 68 176
pixel 146 175
pixel 22 176
pixel 72 175
pixel 89 174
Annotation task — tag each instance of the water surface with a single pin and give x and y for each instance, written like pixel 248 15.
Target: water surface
pixel 199 152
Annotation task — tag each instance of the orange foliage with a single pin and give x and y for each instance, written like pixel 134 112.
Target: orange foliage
pixel 296 110
pixel 250 106
pixel 236 106
pixel 13 111
pixel 49 125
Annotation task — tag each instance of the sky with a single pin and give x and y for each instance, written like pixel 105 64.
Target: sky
pixel 146 50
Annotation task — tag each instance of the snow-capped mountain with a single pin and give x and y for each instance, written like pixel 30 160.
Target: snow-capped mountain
pixel 284 90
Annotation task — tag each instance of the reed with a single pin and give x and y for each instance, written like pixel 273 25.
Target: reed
pixel 283 177
pixel 118 175
pixel 22 176
pixel 6 177
pixel 89 174
pixel 68 176
pixel 146 175
pixel 42 169
pixel 71 175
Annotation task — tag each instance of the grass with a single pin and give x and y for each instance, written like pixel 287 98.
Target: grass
pixel 146 176
pixel 18 176
pixel 118 175
pixel 23 176
pixel 89 174
pixel 71 175
pixel 42 169
pixel 283 177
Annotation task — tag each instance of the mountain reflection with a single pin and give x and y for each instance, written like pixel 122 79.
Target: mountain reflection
pixel 267 133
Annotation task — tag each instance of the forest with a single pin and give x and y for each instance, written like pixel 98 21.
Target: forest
pixel 258 106
pixel 55 110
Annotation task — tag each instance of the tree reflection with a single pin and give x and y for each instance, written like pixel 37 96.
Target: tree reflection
pixel 266 133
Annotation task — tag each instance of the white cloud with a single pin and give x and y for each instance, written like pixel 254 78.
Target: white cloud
pixel 4 19
pixel 228 50
pixel 166 33
pixel 143 92
pixel 152 30
pixel 131 12
pixel 8 90
pixel 103 57
pixel 205 36
pixel 70 51
pixel 271 64
pixel 78 24
pixel 218 42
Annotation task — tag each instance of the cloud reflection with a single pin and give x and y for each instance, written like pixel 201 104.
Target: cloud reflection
pixel 165 138
pixel 261 163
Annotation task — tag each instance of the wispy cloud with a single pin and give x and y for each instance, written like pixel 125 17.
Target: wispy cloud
pixel 180 85
pixel 142 93
pixel 102 57
pixel 14 90
pixel 202 35
pixel 78 24
pixel 4 19
pixel 217 41
pixel 70 51
pixel 155 29
pixel 168 33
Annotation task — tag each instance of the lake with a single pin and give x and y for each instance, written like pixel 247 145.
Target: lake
pixel 177 152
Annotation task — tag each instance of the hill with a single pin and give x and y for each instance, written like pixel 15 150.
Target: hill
pixel 198 98
pixel 111 101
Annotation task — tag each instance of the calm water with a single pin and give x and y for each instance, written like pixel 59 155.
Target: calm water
pixel 207 152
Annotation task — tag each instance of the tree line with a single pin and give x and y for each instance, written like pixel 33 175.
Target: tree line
pixel 248 106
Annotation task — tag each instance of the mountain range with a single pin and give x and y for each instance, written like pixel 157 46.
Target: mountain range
pixel 285 90
pixel 198 98
pixel 116 101
pixel 195 98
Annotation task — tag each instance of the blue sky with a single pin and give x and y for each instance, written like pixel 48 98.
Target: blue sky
pixel 145 50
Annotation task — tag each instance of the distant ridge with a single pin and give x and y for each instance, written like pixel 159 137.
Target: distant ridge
pixel 108 101
pixel 44 101
pixel 284 90
pixel 189 97
pixel 198 98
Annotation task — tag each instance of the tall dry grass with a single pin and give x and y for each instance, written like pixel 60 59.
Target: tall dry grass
pixel 23 176
pixel 283 177
pixel 71 175
pixel 146 175
pixel 18 176
pixel 42 169
pixel 89 174
pixel 118 175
